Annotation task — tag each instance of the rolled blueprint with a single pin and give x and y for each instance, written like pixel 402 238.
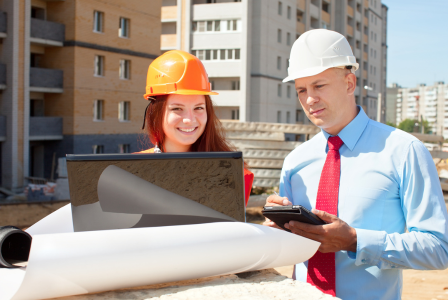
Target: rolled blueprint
pixel 71 263
pixel 15 246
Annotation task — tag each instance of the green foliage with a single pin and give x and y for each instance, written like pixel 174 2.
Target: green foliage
pixel 391 124
pixel 410 125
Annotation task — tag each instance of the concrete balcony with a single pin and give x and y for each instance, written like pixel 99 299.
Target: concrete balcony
pixel 350 11
pixel 2 76
pixel 168 41
pixel 314 11
pixel 326 17
pixel 2 128
pixel 169 13
pixel 349 30
pixel 47 33
pixel 301 4
pixel 217 11
pixel 300 28
pixel 46 80
pixel 3 22
pixel 45 128
pixel 227 98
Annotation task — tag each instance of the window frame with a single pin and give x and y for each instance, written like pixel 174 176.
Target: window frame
pixel 126 32
pixel 99 62
pixel 98 23
pixel 124 70
pixel 98 110
pixel 124 111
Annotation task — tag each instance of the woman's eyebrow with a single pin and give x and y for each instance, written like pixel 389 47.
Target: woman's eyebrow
pixel 178 104
pixel 202 103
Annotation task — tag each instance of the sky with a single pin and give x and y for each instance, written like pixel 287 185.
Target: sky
pixel 417 42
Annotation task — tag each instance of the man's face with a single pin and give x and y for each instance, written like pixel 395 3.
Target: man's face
pixel 327 98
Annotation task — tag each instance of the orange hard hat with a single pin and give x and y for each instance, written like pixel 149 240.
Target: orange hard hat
pixel 177 72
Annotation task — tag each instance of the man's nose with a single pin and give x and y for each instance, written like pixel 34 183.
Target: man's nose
pixel 311 99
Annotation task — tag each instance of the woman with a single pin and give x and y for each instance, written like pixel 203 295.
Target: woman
pixel 180 115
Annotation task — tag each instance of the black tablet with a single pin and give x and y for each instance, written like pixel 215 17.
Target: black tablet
pixel 283 214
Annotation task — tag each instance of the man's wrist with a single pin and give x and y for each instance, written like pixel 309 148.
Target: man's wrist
pixel 353 246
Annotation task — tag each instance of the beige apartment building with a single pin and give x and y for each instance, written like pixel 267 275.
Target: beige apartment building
pixel 72 76
pixel 245 46
pixel 427 102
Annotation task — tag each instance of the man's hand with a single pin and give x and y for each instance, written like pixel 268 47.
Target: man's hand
pixel 275 200
pixel 334 236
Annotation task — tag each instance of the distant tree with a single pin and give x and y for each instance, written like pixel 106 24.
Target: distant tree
pixel 391 124
pixel 409 125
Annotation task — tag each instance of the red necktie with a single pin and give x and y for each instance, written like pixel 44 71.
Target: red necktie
pixel 322 266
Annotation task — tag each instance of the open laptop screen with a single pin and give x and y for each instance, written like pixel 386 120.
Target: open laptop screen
pixel 112 191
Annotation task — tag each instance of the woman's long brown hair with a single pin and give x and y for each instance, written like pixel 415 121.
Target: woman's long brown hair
pixel 212 139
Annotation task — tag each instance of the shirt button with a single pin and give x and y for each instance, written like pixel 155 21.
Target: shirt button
pixel 363 260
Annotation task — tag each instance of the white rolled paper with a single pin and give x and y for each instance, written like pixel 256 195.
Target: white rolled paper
pixel 69 263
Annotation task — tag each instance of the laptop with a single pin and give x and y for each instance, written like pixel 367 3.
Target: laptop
pixel 117 191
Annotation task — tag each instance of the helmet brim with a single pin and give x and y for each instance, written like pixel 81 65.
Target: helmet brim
pixel 314 71
pixel 183 92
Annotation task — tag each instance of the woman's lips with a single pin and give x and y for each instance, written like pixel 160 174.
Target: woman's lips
pixel 187 130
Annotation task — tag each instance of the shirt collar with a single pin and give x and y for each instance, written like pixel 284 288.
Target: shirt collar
pixel 352 132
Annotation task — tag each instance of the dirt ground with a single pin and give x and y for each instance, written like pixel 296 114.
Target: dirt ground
pixel 417 285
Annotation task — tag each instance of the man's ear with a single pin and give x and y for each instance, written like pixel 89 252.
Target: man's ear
pixel 351 83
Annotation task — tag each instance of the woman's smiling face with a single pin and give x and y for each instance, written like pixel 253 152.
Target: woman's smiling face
pixel 184 121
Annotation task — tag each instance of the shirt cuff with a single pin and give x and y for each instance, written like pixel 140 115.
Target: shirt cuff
pixel 370 244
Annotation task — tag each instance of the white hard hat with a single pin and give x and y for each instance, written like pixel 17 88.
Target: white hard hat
pixel 318 50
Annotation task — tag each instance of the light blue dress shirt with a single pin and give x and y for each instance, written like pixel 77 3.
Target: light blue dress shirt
pixel 389 192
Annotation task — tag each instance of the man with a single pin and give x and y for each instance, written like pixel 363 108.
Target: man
pixel 370 182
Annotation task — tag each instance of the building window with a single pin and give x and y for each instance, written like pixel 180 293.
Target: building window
pixel 279 63
pixel 237 54
pixel 300 116
pixel 279 116
pixel 217 54
pixel 280 8
pixel 326 7
pixel 232 25
pixel 123 30
pixel 289 12
pixel 124 108
pixel 124 70
pixel 279 36
pixel 288 117
pixel 288 38
pixel 288 91
pixel 98 149
pixel 98 110
pixel 124 148
pixel 235 85
pixel 99 65
pixel 235 114
pixel 98 21
pixel 299 16
pixel 279 90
